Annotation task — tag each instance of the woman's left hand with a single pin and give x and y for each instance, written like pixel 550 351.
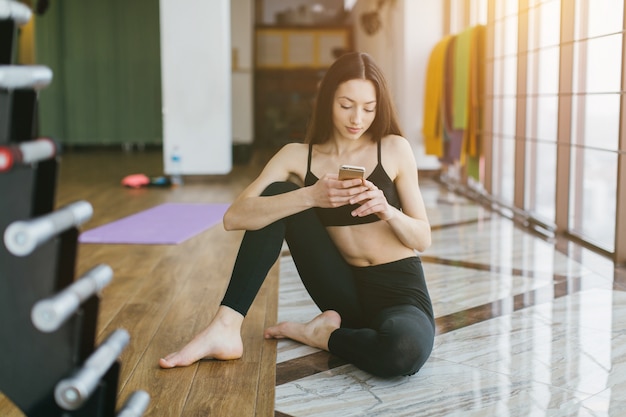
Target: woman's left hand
pixel 372 201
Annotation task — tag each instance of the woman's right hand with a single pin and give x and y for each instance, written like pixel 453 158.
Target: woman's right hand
pixel 330 192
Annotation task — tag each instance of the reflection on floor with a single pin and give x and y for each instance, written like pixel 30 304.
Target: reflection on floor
pixel 523 329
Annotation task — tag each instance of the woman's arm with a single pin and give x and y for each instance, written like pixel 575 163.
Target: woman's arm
pixel 411 224
pixel 251 211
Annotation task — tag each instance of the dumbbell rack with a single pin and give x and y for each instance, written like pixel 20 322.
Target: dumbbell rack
pixel 34 363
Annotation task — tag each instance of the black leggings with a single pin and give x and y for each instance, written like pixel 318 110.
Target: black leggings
pixel 387 325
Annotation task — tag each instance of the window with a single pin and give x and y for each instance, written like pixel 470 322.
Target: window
pixel 565 57
pixel 595 120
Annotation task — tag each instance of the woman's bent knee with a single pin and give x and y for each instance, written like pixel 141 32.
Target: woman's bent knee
pixel 403 362
pixel 406 349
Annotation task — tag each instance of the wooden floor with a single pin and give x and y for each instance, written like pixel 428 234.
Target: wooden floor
pixel 164 294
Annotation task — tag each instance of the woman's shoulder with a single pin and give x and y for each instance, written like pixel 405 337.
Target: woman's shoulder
pixel 296 146
pixel 289 160
pixel 395 144
pixel 293 149
pixel 291 155
pixel 397 154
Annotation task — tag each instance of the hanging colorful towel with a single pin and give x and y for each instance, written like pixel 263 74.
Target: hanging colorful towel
pixel 453 137
pixel 461 78
pixel 433 99
pixel 475 102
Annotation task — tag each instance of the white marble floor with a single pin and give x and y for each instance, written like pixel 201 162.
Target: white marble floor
pixel 524 329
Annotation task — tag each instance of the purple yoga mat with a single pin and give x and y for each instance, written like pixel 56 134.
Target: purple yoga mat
pixel 166 224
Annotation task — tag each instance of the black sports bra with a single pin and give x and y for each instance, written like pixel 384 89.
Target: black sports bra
pixel 341 216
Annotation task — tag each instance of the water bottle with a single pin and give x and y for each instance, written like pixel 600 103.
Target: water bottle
pixel 176 168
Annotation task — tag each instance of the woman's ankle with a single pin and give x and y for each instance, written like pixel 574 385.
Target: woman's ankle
pixel 227 317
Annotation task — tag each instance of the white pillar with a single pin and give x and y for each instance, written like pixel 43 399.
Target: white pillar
pixel 196 85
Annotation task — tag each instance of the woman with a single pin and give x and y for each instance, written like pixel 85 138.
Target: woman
pixel 353 241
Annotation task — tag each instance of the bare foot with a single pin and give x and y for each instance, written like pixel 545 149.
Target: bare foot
pixel 314 333
pixel 220 340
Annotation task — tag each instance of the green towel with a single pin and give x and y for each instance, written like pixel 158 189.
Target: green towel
pixel 461 78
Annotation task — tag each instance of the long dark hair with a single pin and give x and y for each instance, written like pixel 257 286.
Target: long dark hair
pixel 351 66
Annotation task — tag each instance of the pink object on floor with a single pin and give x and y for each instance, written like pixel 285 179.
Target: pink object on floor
pixel 136 180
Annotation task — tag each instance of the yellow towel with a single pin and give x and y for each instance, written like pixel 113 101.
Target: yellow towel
pixel 433 99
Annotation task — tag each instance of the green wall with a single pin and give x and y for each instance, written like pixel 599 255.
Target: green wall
pixel 105 56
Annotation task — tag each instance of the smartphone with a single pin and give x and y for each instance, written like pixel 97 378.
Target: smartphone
pixel 350 171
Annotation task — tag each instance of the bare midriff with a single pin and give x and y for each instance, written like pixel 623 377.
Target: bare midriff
pixel 359 248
